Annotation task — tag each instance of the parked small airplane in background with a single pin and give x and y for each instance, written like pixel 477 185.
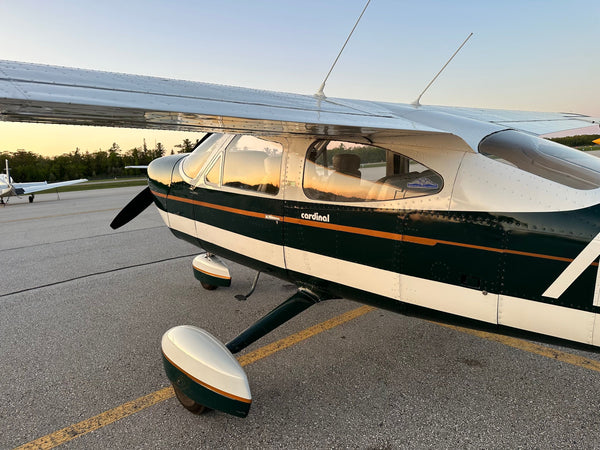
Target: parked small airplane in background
pixel 459 210
pixel 8 188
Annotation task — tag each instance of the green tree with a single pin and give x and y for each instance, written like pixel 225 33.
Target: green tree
pixel 159 150
pixel 185 147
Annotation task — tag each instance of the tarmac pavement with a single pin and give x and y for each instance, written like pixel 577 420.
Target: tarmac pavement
pixel 83 308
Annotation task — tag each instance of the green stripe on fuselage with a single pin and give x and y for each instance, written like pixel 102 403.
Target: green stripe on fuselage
pixel 518 254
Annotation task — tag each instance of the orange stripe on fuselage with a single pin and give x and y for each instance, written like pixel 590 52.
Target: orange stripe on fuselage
pixel 242 212
pixel 370 232
pixel 344 228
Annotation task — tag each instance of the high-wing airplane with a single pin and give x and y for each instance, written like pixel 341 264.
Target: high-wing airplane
pixel 9 188
pixel 459 210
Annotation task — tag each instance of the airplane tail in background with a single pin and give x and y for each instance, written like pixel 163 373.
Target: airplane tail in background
pixel 9 183
pixel 7 173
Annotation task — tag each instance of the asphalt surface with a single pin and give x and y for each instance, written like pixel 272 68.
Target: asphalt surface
pixel 83 308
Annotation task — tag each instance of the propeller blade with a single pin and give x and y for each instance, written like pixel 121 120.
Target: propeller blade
pixel 139 203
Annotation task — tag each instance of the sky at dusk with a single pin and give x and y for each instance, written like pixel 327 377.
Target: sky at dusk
pixel 526 55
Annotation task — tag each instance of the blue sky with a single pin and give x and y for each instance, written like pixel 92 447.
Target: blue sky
pixel 527 55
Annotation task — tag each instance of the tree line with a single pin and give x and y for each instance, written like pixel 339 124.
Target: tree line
pixel 366 153
pixel 577 141
pixel 28 166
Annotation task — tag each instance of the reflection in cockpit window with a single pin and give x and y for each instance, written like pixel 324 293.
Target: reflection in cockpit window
pixel 253 164
pixel 213 176
pixel 346 172
pixel 194 161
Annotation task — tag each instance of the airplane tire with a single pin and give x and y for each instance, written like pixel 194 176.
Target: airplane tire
pixel 208 286
pixel 188 403
pixel 31 199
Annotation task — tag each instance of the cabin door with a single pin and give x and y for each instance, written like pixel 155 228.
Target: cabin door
pixel 240 213
pixel 342 233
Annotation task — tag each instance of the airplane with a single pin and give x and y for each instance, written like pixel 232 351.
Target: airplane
pixel 8 188
pixel 460 210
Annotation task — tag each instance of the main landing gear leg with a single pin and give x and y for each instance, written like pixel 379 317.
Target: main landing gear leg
pixel 293 306
pixel 204 372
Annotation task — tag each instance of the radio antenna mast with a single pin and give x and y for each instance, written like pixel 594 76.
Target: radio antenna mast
pixel 417 101
pixel 320 92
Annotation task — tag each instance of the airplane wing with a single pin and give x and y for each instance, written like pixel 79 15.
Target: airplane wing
pixel 528 121
pixel 30 184
pixel 29 188
pixel 51 94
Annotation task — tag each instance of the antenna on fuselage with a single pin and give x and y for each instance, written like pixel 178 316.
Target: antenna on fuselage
pixel 320 92
pixel 417 101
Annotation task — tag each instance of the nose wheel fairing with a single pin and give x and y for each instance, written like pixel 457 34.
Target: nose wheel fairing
pixel 210 270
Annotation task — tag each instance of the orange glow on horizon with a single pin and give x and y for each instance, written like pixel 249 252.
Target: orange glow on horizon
pixel 53 140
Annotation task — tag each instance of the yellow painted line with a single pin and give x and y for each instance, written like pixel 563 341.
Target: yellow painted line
pixel 284 343
pixel 127 409
pixel 58 215
pixel 71 432
pixel 537 349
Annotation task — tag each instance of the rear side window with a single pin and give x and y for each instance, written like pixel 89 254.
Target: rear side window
pixel 253 164
pixel 544 158
pixel 347 172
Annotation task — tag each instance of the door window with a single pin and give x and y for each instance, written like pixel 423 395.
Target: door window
pixel 253 164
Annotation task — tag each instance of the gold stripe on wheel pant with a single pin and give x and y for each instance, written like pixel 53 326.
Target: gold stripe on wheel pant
pixel 208 386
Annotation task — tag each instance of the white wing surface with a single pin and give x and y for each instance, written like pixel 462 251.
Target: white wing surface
pixel 529 121
pixel 50 94
pixel 29 188
pixel 40 93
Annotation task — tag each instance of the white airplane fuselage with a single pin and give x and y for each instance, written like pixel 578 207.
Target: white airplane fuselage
pixel 459 210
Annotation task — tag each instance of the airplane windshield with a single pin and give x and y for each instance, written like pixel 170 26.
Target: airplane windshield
pixel 544 158
pixel 193 163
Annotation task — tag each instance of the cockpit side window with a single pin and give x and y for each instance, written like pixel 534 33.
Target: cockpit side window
pixel 253 164
pixel 348 172
pixel 193 163
pixel 544 158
